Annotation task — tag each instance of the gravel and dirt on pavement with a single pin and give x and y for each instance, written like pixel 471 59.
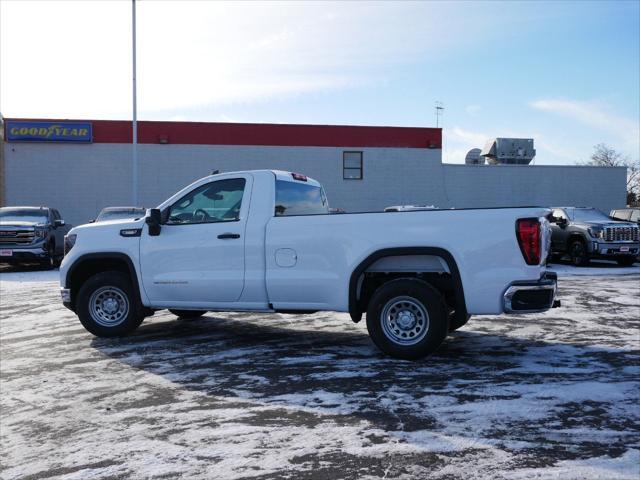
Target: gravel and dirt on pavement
pixel 236 395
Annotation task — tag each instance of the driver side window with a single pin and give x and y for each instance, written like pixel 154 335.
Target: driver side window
pixel 210 203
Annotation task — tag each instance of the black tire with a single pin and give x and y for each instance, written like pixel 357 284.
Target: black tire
pixel 578 253
pixel 626 261
pixel 49 262
pixel 456 323
pixel 114 286
pixel 412 299
pixel 188 313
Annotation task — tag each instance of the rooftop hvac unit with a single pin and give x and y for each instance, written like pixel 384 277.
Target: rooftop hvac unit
pixel 509 151
pixel 473 157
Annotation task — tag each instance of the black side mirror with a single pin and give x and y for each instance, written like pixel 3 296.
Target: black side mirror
pixel 562 222
pixel 154 219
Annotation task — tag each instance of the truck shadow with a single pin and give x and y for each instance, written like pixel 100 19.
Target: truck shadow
pixel 517 385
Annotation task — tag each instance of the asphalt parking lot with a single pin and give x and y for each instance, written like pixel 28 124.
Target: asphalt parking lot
pixel 553 395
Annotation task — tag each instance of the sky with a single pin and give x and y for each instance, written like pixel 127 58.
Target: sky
pixel 564 73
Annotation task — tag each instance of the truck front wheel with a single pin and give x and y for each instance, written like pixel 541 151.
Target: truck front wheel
pixel 578 253
pixel 407 318
pixel 106 305
pixel 626 261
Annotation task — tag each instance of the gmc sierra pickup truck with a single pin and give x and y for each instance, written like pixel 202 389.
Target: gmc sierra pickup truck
pixel 265 241
pixel 585 233
pixel 31 234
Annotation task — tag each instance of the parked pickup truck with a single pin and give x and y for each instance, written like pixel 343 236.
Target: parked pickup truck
pixel 264 241
pixel 585 233
pixel 31 234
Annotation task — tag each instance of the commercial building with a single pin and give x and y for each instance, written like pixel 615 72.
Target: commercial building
pixel 79 167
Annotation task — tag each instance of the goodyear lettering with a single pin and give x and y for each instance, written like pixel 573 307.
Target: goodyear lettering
pixel 19 131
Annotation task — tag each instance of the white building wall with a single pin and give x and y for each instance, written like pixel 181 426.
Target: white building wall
pixel 546 185
pixel 80 180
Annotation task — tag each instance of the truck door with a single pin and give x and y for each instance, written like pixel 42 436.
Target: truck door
pixel 198 257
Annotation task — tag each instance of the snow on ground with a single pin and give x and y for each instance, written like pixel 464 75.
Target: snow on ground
pixel 553 395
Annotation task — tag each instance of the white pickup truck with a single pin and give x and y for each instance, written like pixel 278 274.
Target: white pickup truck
pixel 265 241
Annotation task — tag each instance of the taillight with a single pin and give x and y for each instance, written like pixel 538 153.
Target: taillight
pixel 528 233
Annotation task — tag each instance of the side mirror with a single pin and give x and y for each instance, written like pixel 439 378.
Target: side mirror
pixel 154 219
pixel 58 223
pixel 562 222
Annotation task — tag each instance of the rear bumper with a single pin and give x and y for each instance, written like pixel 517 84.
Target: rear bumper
pixel 532 297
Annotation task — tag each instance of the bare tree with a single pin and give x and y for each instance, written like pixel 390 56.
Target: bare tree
pixel 605 156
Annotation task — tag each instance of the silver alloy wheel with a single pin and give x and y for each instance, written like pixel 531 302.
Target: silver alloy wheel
pixel 109 306
pixel 404 320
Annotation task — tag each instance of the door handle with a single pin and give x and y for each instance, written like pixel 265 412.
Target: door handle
pixel 229 235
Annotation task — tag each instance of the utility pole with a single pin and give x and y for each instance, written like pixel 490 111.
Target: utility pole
pixel 439 110
pixel 134 166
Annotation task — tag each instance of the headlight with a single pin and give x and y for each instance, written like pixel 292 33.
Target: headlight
pixel 596 232
pixel 41 233
pixel 69 242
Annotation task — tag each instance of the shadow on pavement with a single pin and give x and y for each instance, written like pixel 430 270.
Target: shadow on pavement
pixel 508 387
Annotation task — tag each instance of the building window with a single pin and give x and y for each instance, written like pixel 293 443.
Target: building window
pixel 352 165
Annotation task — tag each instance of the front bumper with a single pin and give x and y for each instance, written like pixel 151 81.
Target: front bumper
pixel 532 297
pixel 65 294
pixel 24 254
pixel 614 249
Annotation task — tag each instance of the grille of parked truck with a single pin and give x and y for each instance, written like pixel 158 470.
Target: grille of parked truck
pixel 265 241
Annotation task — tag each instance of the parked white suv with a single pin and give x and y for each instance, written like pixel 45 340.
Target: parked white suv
pixel 265 241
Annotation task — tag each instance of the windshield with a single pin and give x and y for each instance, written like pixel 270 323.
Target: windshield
pixel 586 215
pixel 119 214
pixel 31 215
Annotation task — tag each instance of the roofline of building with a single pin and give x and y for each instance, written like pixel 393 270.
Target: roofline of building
pixel 512 165
pixel 258 134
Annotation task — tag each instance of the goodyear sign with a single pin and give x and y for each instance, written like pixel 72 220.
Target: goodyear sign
pixel 25 131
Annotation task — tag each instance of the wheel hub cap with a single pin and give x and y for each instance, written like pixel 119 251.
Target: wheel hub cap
pixel 405 320
pixel 109 306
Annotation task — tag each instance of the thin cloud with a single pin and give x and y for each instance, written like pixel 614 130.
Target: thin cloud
pixel 473 109
pixel 196 54
pixel 593 115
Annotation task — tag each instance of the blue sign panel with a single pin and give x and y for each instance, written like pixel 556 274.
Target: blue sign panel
pixel 24 131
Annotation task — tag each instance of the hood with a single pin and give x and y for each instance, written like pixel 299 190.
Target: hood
pixel 21 224
pixel 608 223
pixel 109 225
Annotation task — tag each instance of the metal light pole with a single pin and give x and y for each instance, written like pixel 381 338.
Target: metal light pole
pixel 438 107
pixel 134 183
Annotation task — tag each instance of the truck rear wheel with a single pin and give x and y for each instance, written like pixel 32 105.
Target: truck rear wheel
pixel 187 313
pixel 407 318
pixel 107 305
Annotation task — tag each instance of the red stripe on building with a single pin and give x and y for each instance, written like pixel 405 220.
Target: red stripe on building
pixel 270 134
